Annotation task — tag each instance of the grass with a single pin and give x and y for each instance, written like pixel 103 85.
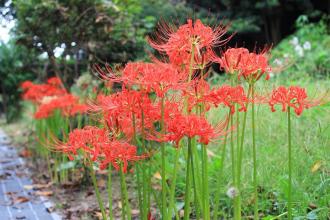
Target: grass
pixel 311 152
pixel 310 142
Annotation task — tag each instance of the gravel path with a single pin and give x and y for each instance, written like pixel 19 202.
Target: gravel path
pixel 16 201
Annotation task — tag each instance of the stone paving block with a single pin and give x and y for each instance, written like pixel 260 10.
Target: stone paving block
pixel 12 186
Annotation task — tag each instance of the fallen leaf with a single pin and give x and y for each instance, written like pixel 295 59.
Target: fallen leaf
pixel 98 215
pixel 157 175
pixel 25 153
pixel 37 186
pixel 50 209
pixel 135 212
pixel 101 183
pixel 20 217
pixel 11 193
pixel 28 187
pixel 312 206
pixel 210 153
pixel 43 193
pixel 317 165
pixel 181 213
pixel 21 199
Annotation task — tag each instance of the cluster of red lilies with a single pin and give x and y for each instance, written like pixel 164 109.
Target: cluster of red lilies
pixel 165 103
pixel 52 96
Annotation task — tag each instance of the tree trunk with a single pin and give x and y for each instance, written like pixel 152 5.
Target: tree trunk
pixel 52 61
pixel 4 99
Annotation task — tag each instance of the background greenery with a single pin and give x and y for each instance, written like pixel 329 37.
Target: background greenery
pixel 98 31
pixel 66 37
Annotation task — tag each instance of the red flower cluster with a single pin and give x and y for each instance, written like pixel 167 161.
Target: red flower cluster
pixel 95 143
pixel 191 126
pixel 294 97
pixel 191 39
pixel 229 96
pixel 36 92
pixel 68 105
pixel 240 61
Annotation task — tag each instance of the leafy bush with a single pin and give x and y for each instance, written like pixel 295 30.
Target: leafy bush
pixel 306 52
pixel 13 61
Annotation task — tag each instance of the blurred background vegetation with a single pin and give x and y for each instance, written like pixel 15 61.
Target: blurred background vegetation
pixel 65 37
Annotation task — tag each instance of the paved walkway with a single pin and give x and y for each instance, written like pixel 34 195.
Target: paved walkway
pixel 16 202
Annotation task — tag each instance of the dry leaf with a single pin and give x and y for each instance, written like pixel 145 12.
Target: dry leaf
pixel 210 153
pixel 101 183
pixel 312 206
pixel 50 209
pixel 181 213
pixel 25 153
pixel 157 175
pixel 43 193
pixel 28 187
pixel 20 199
pixel 135 212
pixel 317 165
pixel 98 215
pixel 37 186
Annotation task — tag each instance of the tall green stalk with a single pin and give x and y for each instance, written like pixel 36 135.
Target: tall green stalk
pixel 163 157
pixel 290 168
pixel 126 206
pixel 255 180
pixel 97 192
pixel 218 192
pixel 187 190
pixel 205 184
pixel 109 187
pixel 145 175
pixel 173 183
pixel 237 214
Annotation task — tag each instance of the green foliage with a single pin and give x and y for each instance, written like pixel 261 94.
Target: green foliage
pixel 306 52
pixel 15 63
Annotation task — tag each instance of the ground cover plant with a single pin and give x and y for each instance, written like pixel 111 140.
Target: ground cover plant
pixel 192 150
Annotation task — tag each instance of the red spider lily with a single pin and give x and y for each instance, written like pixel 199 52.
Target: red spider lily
pixel 36 92
pixel 117 152
pixel 231 59
pixel 26 85
pixel 55 81
pixel 67 104
pixel 89 140
pixel 155 77
pixel 191 38
pixel 294 97
pixel 119 109
pixel 196 93
pixel 253 66
pixel 228 96
pixel 190 126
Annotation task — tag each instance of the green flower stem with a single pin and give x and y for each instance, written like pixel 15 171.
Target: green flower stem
pixel 109 187
pixel 97 192
pixel 206 184
pixel 197 198
pixel 187 190
pixel 218 192
pixel 255 180
pixel 240 152
pixel 237 214
pixel 126 205
pixel 163 157
pixel 290 167
pixel 173 183
pixel 138 169
pixel 197 182
pixel 145 174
